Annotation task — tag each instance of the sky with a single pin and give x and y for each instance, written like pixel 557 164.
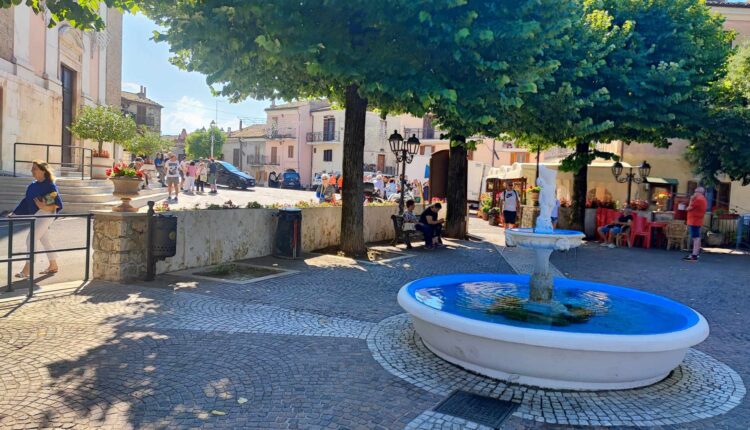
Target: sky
pixel 186 98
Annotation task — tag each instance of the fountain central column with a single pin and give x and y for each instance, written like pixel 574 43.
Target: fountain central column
pixel 541 282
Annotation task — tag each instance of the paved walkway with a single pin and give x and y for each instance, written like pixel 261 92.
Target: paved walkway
pixel 329 347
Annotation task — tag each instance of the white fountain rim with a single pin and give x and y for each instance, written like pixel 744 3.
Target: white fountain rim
pixel 685 338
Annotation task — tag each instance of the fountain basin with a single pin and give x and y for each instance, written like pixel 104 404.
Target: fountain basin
pixel 633 339
pixel 559 240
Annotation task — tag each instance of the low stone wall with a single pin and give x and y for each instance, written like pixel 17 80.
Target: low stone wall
pixel 208 237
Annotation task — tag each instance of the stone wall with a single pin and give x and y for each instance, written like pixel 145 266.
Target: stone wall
pixel 119 246
pixel 209 237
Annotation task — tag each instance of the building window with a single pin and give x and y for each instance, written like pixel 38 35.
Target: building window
pixel 328 155
pixel 329 128
pixel 140 117
pixel 274 155
pixel 290 152
pixel 519 157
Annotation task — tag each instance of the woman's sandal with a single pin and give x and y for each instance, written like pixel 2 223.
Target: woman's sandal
pixel 21 275
pixel 48 272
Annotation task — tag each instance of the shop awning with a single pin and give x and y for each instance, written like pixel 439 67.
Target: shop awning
pixel 662 181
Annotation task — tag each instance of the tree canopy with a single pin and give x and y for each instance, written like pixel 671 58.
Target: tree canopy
pixel 103 124
pixel 82 14
pixel 720 136
pixel 198 143
pixel 644 64
pixel 147 142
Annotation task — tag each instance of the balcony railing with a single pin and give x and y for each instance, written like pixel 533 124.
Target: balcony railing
pixel 323 136
pixel 260 160
pixel 422 133
pixel 273 161
pixel 281 133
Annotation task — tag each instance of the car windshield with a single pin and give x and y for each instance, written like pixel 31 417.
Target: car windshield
pixel 291 176
pixel 228 166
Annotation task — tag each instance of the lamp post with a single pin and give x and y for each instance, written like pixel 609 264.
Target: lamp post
pixel 404 152
pixel 213 125
pixel 644 170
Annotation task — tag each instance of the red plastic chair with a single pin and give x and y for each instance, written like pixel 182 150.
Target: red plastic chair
pixel 640 228
pixel 601 220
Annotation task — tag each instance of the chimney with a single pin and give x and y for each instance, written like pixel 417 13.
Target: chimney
pixel 240 124
pixel 142 92
pixel 229 130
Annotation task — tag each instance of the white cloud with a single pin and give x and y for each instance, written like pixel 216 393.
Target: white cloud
pixel 131 87
pixel 191 114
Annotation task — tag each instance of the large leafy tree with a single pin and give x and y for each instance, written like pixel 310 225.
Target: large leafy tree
pixel 198 143
pixel 103 124
pixel 720 136
pixel 489 81
pixel 654 58
pixel 147 142
pixel 393 55
pixel 82 14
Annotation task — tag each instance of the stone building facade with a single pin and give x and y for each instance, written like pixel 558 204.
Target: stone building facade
pixel 144 111
pixel 46 76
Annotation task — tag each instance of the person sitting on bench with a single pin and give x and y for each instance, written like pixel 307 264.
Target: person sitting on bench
pixel 431 226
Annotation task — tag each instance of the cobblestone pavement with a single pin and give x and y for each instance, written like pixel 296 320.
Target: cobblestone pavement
pixel 308 350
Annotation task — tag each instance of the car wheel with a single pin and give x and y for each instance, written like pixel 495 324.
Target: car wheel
pixel 232 184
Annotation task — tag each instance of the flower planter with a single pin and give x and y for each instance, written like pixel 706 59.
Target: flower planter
pixel 125 189
pixel 483 215
pixel 532 198
pixel 99 166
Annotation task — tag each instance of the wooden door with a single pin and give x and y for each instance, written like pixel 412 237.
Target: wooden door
pixel 381 162
pixel 68 82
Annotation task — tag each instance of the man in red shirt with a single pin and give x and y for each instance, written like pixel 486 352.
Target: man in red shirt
pixel 695 212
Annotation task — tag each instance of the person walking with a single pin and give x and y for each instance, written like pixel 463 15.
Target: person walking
pixel 212 172
pixel 510 201
pixel 172 174
pixel 42 198
pixel 695 213
pixel 190 172
pixel 159 165
pixel 201 177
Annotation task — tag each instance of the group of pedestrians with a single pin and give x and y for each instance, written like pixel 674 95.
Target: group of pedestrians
pixel 188 176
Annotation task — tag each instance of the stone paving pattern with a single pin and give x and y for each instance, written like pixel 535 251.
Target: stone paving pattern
pixel 291 352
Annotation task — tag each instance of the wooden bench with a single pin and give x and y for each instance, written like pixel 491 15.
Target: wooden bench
pixel 401 235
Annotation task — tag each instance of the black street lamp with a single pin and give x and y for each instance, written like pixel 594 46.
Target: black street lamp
pixel 644 170
pixel 404 152
pixel 213 125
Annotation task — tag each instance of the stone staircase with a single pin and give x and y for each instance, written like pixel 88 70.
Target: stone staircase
pixel 79 196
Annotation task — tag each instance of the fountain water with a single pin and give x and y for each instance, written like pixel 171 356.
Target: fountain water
pixel 562 333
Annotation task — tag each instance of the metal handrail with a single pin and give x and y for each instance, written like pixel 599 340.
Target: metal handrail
pixel 81 165
pixel 28 255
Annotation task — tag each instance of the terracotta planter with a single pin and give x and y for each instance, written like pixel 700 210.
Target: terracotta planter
pixel 99 166
pixel 483 215
pixel 125 189
pixel 532 198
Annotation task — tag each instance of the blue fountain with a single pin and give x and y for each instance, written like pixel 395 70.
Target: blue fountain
pixel 552 333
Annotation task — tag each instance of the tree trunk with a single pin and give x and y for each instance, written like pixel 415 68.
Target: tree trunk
pixel 458 172
pixel 352 211
pixel 580 188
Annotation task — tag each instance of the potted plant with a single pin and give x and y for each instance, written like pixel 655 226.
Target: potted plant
pixel 494 215
pixel 127 183
pixel 103 124
pixel 485 206
pixel 532 195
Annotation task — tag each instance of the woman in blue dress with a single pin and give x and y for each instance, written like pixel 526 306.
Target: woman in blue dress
pixel 42 198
